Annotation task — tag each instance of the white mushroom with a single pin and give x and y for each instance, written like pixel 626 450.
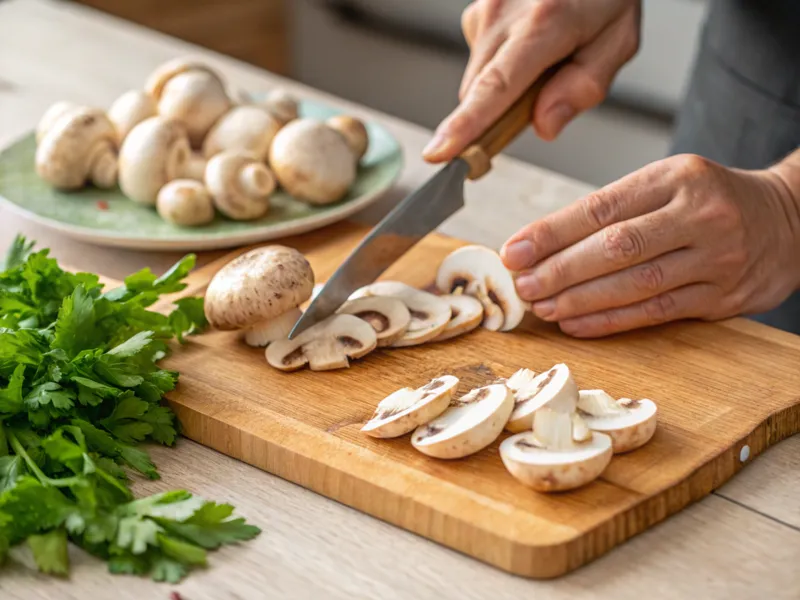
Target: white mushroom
pixel 196 167
pixel 191 93
pixel 479 271
pixel 629 423
pixel 555 388
pixel 51 115
pixel 154 153
pixel 389 317
pixel 281 105
pixel 327 345
pixel 470 424
pixel 407 408
pixel 466 314
pixel 130 109
pixel 79 146
pixel 248 128
pixel 312 161
pixel 354 132
pixel 429 314
pixel 240 185
pixel 260 292
pixel 185 202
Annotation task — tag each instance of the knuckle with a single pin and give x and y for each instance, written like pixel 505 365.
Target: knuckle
pixel 692 166
pixel 545 11
pixel 601 208
pixel 493 81
pixel 660 309
pixel 648 277
pixel 542 236
pixel 622 243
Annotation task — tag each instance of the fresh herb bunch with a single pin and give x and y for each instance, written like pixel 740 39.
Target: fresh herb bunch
pixel 79 389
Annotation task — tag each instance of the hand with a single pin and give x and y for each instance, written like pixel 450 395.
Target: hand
pixel 681 238
pixel 512 42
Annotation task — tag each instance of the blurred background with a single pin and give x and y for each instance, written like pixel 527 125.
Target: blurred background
pixel 406 57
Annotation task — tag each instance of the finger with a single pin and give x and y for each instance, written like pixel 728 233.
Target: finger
pixel 624 288
pixel 641 192
pixel 609 250
pixel 481 54
pixel 682 303
pixel 584 82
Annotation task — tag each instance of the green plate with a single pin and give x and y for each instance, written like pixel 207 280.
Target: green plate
pixel 108 218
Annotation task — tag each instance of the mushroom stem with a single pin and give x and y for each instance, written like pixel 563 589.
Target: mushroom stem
pixel 254 180
pixel 104 166
pixel 265 332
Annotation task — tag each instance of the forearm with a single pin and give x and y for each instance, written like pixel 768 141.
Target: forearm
pixel 788 172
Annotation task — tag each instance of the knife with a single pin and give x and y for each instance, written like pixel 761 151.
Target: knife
pixel 421 211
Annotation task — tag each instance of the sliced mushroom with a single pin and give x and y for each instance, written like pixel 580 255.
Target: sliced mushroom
pixel 51 115
pixel 555 388
pixel 429 314
pixel 185 202
pixel 354 132
pixel 247 128
pixel 629 423
pixel 240 185
pixel 259 292
pixel 466 314
pixel 191 93
pixel 388 316
pixel 312 161
pixel 154 153
pixel 130 109
pixel 407 408
pixel 78 146
pixel 479 272
pixel 327 345
pixel 281 105
pixel 470 424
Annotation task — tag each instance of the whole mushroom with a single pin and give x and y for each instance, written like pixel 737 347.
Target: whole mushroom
pixel 154 153
pixel 240 185
pixel 51 115
pixel 185 202
pixel 191 93
pixel 281 105
pixel 354 132
pixel 130 109
pixel 312 161
pixel 247 128
pixel 260 292
pixel 78 146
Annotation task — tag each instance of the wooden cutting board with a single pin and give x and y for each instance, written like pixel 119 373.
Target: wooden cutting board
pixel 725 391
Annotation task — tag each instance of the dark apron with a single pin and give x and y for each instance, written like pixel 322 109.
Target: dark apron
pixel 742 107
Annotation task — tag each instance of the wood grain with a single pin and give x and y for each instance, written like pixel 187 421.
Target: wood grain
pixel 304 426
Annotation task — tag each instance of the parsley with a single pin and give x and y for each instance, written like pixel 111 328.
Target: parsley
pixel 80 388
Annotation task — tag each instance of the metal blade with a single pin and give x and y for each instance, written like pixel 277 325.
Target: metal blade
pixel 412 219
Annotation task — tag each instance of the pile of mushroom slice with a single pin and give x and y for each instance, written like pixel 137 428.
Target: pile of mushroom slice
pixel 562 438
pixel 184 145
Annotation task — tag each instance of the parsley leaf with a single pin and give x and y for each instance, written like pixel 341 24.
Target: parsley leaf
pixel 11 396
pixel 50 551
pixel 11 468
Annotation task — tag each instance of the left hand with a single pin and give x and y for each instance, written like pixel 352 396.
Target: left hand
pixel 681 238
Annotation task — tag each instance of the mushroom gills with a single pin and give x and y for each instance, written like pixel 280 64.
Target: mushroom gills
pixel 554 388
pixel 629 423
pixel 470 423
pixel 466 315
pixel 265 332
pixel 408 408
pixel 388 316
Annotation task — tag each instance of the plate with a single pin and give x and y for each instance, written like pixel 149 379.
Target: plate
pixel 108 218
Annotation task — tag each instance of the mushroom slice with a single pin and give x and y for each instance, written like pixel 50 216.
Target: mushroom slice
pixel 273 330
pixel 240 185
pixel 388 316
pixel 554 388
pixel 325 346
pixel 466 314
pixel 130 109
pixel 520 379
pixel 247 128
pixel 407 408
pixel 258 288
pixel 185 202
pixel 469 424
pixel 479 271
pixel 629 423
pixel 429 314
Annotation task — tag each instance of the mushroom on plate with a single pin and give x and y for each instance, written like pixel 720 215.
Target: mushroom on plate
pixel 189 92
pixel 388 316
pixel 196 167
pixel 469 424
pixel 466 314
pixel 281 105
pixel 185 202
pixel 312 161
pixel 429 314
pixel 478 271
pixel 78 146
pixel 629 423
pixel 155 152
pixel 354 132
pixel 130 109
pixel 240 185
pixel 408 408
pixel 559 454
pixel 51 115
pixel 260 292
pixel 327 345
pixel 248 128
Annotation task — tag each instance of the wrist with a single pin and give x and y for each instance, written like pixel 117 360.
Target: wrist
pixel 787 177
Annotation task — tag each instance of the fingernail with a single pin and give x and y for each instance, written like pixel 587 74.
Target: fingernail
pixel 544 309
pixel 528 286
pixel 518 255
pixel 435 145
pixel 558 117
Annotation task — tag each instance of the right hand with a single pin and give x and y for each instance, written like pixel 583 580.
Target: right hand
pixel 512 42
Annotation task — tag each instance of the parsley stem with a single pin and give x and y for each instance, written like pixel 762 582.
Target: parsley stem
pixel 43 479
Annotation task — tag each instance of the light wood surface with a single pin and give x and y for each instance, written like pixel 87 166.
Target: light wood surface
pixel 311 546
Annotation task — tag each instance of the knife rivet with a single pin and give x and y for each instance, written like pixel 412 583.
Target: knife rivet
pixel 744 453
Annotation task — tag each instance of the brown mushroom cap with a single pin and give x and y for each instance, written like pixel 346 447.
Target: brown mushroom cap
pixel 246 128
pixel 185 202
pixel 240 185
pixel 258 285
pixel 79 146
pixel 354 132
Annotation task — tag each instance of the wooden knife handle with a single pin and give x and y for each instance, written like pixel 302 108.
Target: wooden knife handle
pixel 510 124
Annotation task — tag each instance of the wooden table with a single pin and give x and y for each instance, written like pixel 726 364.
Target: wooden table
pixel 742 542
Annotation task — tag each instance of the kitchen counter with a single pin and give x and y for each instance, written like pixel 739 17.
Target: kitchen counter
pixel 742 542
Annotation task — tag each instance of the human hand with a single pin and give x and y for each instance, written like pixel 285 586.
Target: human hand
pixel 512 42
pixel 681 238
